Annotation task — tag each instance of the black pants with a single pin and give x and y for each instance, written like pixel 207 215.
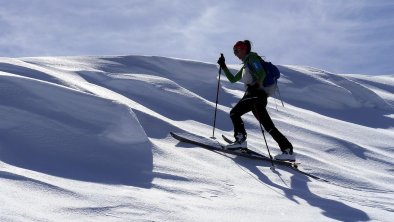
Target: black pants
pixel 256 101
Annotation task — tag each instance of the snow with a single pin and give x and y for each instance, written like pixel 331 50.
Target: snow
pixel 87 139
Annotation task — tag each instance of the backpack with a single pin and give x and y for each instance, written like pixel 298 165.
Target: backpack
pixel 272 73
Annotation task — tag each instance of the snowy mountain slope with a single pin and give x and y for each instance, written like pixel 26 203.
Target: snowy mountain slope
pixel 87 138
pixel 52 123
pixel 381 85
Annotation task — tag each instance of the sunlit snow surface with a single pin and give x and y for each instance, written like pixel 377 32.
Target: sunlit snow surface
pixel 87 139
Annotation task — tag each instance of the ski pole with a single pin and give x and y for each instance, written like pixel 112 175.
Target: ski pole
pixel 217 99
pixel 266 144
pixel 262 130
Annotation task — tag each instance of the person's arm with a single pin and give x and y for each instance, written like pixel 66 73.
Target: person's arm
pixel 227 72
pixel 230 76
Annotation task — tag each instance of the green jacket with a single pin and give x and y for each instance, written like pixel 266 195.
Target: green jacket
pixel 252 71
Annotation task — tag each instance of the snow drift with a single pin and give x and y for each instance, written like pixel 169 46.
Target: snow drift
pixel 63 132
pixel 89 137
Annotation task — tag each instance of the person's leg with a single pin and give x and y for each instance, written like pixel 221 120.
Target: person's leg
pixel 243 106
pixel 235 114
pixel 260 112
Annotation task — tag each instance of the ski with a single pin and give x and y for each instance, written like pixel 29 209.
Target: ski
pixel 293 163
pixel 210 144
pixel 214 145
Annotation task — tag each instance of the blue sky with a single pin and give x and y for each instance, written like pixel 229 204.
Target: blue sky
pixel 341 36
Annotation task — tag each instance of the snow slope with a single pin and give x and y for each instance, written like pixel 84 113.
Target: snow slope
pixel 87 139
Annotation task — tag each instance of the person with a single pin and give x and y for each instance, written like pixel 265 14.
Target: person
pixel 255 98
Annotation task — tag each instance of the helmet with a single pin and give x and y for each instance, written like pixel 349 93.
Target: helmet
pixel 240 45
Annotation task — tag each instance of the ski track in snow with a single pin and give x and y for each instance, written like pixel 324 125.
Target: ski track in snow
pixel 87 139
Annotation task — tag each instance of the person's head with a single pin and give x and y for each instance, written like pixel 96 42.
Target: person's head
pixel 242 48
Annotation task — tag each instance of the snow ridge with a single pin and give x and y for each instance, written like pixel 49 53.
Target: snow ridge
pixel 90 137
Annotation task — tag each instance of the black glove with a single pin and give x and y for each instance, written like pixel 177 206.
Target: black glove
pixel 222 61
pixel 256 85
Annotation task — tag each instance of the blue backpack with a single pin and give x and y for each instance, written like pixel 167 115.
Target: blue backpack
pixel 272 73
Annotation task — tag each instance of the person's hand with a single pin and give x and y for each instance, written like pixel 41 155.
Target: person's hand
pixel 222 61
pixel 256 85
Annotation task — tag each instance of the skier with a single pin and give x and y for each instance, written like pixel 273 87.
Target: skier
pixel 255 98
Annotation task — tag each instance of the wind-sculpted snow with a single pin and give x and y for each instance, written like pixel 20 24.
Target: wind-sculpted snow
pixel 63 132
pixel 336 96
pixel 87 139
